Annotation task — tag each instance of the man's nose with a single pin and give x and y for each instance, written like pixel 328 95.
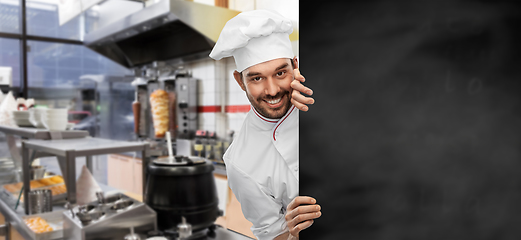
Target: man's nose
pixel 272 88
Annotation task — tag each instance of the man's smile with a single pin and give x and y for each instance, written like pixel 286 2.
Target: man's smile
pixel 274 103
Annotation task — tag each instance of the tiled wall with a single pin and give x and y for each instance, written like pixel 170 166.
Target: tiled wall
pixel 217 89
pixel 235 97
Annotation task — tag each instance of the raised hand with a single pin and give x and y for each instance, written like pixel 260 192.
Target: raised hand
pixel 299 100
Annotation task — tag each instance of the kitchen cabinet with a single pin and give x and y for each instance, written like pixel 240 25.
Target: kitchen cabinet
pixel 233 218
pixel 137 167
pixel 125 173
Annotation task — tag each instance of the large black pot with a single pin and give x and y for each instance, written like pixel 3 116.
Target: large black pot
pixel 185 187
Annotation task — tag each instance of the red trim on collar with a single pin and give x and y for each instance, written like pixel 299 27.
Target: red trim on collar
pixel 281 122
pixel 261 117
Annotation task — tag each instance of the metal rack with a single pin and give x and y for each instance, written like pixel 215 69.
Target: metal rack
pixel 43 134
pixel 36 133
pixel 66 150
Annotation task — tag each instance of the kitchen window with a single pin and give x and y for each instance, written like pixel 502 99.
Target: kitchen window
pixel 9 16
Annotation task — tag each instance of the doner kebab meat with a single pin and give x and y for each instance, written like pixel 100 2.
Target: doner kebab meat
pixel 159 103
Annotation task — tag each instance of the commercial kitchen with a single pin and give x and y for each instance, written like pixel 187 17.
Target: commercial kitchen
pixel 114 120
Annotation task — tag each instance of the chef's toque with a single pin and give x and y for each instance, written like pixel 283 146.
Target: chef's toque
pixel 254 37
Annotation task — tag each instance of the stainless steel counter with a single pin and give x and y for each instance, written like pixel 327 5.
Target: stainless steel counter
pixel 38 133
pixel 67 150
pixel 15 218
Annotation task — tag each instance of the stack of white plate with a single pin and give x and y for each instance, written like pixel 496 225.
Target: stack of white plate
pixel 36 116
pixel 55 119
pixel 21 118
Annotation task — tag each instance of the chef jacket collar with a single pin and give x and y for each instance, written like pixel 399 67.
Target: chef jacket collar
pixel 269 123
pixel 264 122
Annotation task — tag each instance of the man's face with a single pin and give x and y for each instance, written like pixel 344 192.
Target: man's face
pixel 267 86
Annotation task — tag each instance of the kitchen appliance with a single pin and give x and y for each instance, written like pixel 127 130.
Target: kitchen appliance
pixel 140 107
pixel 182 187
pixel 182 94
pixel 109 217
pixel 165 30
pixel 186 109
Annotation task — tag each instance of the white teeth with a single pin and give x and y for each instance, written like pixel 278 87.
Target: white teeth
pixel 273 101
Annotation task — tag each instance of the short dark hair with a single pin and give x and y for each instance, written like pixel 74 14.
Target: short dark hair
pixel 292 65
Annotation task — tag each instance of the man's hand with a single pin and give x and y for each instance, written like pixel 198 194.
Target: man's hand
pixel 297 98
pixel 300 214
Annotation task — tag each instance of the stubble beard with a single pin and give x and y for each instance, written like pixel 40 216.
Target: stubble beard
pixel 268 112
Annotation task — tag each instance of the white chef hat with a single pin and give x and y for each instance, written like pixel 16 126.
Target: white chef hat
pixel 254 37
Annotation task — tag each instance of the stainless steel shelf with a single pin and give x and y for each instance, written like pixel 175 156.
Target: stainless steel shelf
pixel 15 217
pixel 83 146
pixel 43 134
pixel 66 151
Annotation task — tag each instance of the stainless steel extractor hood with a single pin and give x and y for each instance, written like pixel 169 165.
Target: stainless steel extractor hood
pixel 166 30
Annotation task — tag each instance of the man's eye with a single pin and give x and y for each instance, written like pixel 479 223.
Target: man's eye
pixel 281 73
pixel 256 79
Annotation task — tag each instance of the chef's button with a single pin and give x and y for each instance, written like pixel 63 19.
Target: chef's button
pixel 295 169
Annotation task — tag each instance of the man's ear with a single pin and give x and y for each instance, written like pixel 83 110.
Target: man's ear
pixel 237 76
pixel 295 62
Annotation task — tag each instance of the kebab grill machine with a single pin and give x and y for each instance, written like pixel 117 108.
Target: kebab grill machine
pixel 180 189
pixel 165 100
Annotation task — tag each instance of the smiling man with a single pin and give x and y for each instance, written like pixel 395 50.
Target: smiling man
pixel 268 86
pixel 262 163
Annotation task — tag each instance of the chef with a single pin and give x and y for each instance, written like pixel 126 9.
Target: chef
pixel 262 163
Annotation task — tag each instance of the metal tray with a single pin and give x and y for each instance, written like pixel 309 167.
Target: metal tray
pixel 55 220
pixel 55 198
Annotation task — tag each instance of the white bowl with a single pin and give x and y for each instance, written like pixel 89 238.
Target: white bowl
pixel 55 121
pixel 55 113
pixel 55 126
pixel 54 116
pixel 36 119
pixel 36 123
pixel 64 116
pixel 23 122
pixel 21 117
pixel 20 113
pixel 39 109
pixel 60 111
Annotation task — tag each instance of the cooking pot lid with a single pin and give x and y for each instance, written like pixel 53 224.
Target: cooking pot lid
pixel 178 160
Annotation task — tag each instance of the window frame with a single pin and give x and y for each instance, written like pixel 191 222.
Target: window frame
pixel 23 37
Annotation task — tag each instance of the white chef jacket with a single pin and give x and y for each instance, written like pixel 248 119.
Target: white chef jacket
pixel 262 165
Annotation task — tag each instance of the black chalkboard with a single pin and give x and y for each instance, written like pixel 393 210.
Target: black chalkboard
pixel 416 130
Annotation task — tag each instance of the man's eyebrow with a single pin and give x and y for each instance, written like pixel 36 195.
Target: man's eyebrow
pixel 282 66
pixel 251 74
